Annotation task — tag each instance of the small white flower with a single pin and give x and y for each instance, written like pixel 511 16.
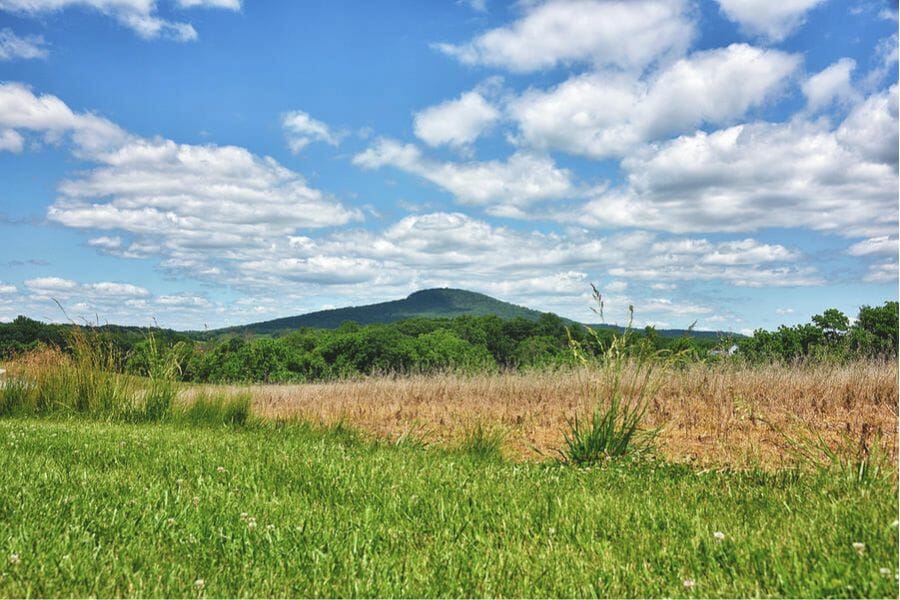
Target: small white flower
pixel 719 536
pixel 244 516
pixel 199 584
pixel 689 583
pixel 884 571
pixel 859 547
pixel 270 527
pixel 220 469
pixel 552 531
pixel 170 521
pixel 251 523
pixel 179 481
pixel 196 500
pixel 14 559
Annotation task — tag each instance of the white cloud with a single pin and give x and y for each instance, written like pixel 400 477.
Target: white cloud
pixel 784 311
pixel 106 242
pixel 878 245
pixel 195 206
pixel 301 130
pixel 21 109
pixel 604 114
pixel 13 46
pixel 623 34
pixel 7 288
pixel 884 272
pixel 832 84
pixel 108 289
pixel 456 123
pixel 193 196
pixel 771 19
pixel 182 300
pixel 747 177
pixel 226 4
pixel 11 141
pixel 871 128
pixel 522 179
pixel 50 287
pixel 138 15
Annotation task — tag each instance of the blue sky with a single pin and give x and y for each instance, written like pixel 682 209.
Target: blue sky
pixel 215 162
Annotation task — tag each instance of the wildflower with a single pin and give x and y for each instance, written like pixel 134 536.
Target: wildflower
pixel 196 500
pixel 14 559
pixel 719 536
pixel 244 516
pixel 199 584
pixel 170 521
pixel 220 469
pixel 689 583
pixel 859 547
pixel 179 481
pixel 270 527
pixel 884 571
pixel 896 523
pixel 251 523
pixel 552 530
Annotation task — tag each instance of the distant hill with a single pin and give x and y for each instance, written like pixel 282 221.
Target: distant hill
pixel 433 303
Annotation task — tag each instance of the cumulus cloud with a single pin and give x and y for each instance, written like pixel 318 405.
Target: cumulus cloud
pixel 138 15
pixel 883 272
pixel 747 177
pixel 522 179
pixel 302 130
pixel 770 19
pixel 623 34
pixel 22 110
pixel 171 198
pixel 832 84
pixel 878 245
pixel 605 114
pixel 457 122
pixel 12 46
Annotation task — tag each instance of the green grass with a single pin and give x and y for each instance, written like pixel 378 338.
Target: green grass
pixel 117 509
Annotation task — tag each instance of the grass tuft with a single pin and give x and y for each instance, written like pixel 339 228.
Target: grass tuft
pixel 483 442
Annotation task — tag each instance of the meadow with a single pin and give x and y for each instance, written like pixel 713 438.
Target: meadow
pixel 752 481
pixel 166 509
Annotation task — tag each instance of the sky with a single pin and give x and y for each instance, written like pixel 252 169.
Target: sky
pixel 203 163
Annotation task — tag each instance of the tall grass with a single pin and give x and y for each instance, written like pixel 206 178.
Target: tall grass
pixel 632 376
pixel 88 382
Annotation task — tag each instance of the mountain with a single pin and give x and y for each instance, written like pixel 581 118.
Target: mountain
pixel 433 303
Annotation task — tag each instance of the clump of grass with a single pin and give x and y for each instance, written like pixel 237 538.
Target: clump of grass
pixel 163 388
pixel 218 409
pixel 857 463
pixel 632 376
pixel 612 431
pixel 483 442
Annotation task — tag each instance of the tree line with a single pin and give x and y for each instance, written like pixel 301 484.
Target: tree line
pixel 466 343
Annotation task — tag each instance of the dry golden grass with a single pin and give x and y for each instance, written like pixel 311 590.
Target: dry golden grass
pixel 711 415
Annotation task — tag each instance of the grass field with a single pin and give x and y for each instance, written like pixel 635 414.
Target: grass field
pixel 711 415
pixel 105 509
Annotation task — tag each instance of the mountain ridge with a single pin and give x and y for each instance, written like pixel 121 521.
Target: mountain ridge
pixel 427 303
